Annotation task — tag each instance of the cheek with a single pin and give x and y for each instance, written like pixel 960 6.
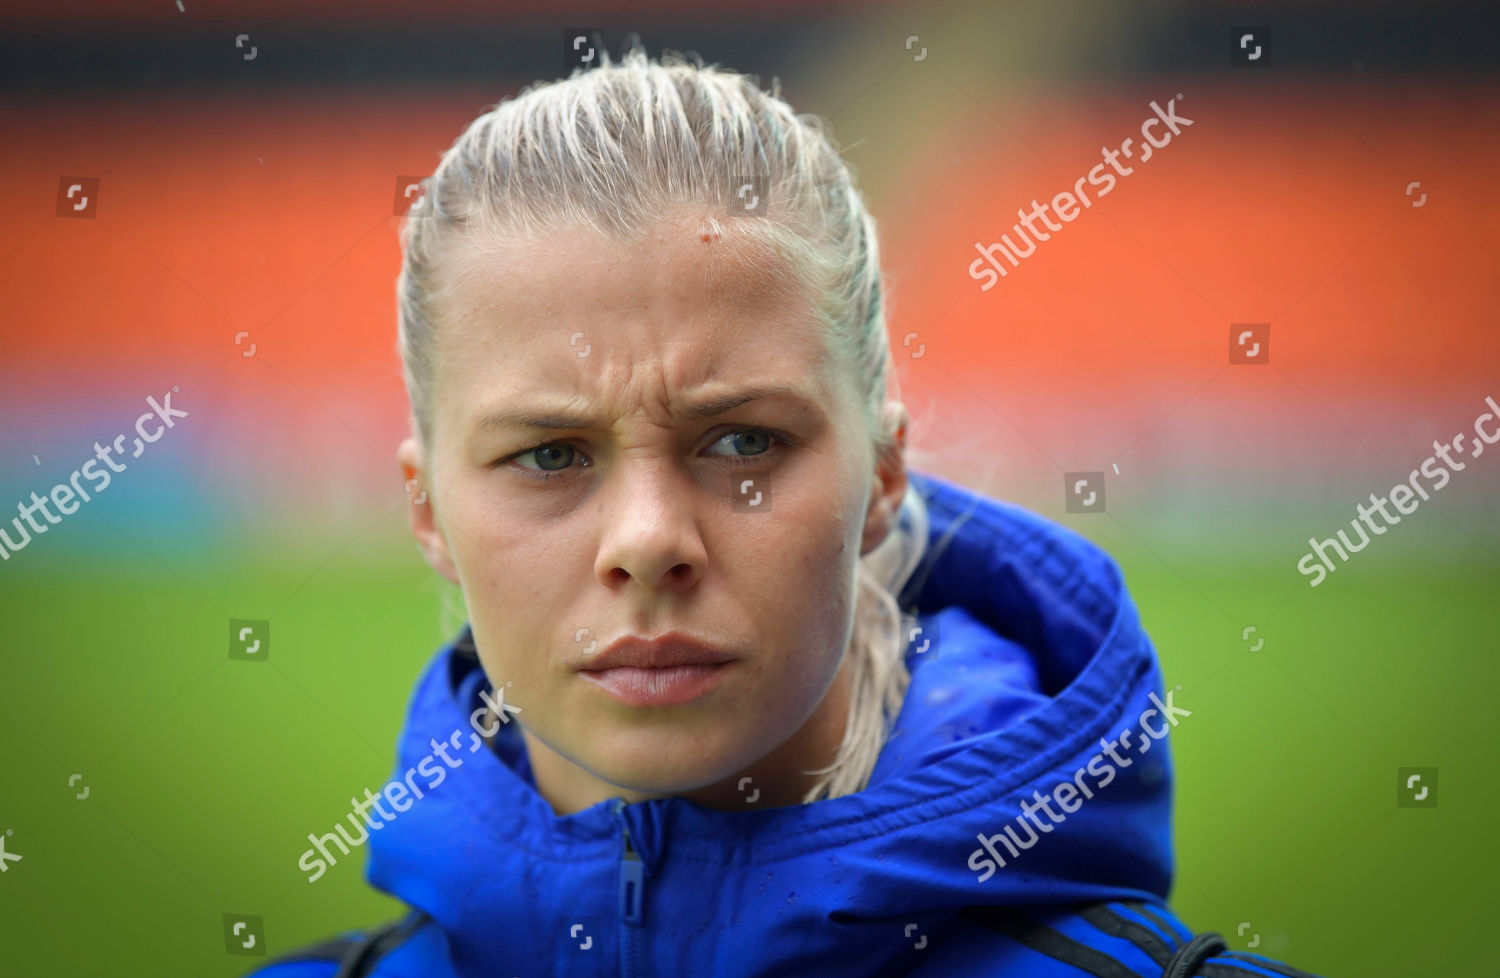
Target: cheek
pixel 505 574
pixel 810 569
pixel 819 527
pixel 831 535
pixel 485 539
pixel 800 551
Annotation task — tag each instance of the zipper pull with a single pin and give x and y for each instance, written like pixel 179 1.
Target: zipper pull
pixel 632 872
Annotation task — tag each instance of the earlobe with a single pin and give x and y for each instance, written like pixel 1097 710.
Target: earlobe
pixel 420 512
pixel 889 487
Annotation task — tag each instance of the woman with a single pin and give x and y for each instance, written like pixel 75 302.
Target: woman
pixel 688 729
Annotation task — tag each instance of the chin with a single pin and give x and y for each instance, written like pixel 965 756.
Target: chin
pixel 664 763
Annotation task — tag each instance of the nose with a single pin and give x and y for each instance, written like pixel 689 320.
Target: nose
pixel 650 533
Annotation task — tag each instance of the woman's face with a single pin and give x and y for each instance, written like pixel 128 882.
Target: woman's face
pixel 629 520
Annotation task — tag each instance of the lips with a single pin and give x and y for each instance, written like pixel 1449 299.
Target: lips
pixel 668 670
pixel 662 652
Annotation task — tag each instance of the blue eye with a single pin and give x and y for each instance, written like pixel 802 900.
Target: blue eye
pixel 555 458
pixel 558 455
pixel 557 452
pixel 751 437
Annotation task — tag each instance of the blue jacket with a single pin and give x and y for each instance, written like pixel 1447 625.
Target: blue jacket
pixel 1029 660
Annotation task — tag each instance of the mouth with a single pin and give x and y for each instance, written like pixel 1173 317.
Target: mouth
pixel 663 686
pixel 668 670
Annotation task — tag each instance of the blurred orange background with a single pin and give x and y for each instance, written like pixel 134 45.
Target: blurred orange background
pixel 242 251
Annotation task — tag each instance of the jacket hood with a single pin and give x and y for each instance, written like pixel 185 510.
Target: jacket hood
pixel 1029 657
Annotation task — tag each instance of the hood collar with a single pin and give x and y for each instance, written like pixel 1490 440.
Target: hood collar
pixel 1036 654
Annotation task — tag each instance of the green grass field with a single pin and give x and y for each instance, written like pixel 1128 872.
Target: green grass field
pixel 205 775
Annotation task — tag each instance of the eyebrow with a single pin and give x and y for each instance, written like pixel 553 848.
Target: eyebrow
pixel 708 408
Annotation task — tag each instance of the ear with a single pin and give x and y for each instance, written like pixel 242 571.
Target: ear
pixel 421 512
pixel 890 481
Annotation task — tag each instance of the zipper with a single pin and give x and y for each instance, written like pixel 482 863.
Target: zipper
pixel 632 878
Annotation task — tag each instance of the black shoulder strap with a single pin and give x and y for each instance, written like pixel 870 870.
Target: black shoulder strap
pixel 1177 960
pixel 1183 960
pixel 1025 930
pixel 360 958
pixel 357 954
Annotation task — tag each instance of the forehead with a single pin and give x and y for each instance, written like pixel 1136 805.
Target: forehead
pixel 571 313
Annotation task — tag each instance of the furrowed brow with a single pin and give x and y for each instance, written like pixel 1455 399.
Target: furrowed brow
pixel 696 411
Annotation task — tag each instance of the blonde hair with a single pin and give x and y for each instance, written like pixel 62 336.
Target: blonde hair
pixel 611 149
